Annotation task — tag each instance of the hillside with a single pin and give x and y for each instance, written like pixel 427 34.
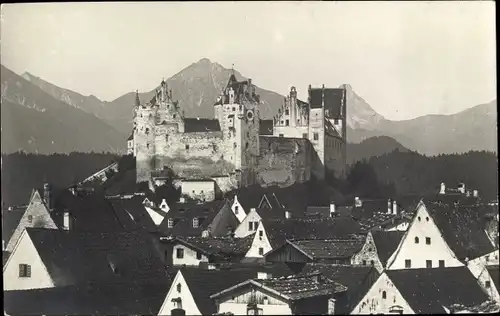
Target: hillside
pixel 35 122
pixel 372 147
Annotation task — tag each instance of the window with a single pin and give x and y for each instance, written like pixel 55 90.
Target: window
pixel 261 233
pixel 198 255
pixel 441 263
pixel 30 218
pixel 428 263
pixel 180 253
pixel 195 222
pixel 246 145
pixel 384 295
pixel 372 262
pixel 174 115
pixel 187 147
pixel 364 262
pixel 287 112
pixel 487 284
pixel 287 123
pixel 147 145
pixel 250 226
pixel 419 218
pixel 179 287
pixel 261 251
pixel 24 271
pixel 281 135
pixel 248 134
pixel 281 122
pixel 427 218
pixel 427 240
pixel 407 263
pixel 304 135
pixel 147 130
pixel 370 249
pixel 316 136
pixel 193 192
pixel 236 210
pixel 234 109
pixel 416 240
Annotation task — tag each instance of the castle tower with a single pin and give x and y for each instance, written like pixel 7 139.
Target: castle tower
pixel 144 147
pixel 293 117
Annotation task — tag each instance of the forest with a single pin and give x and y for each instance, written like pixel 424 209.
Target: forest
pixel 396 173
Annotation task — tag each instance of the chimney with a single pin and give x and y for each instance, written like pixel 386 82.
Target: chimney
pixel 443 188
pixel 394 207
pixel 331 306
pixel 461 188
pixel 10 208
pixel 46 196
pixel 332 209
pixel 198 118
pixel 211 266
pixel 357 202
pixel 288 214
pixel 468 193
pixel 182 200
pixel 66 221
pixel 389 206
pixel 475 193
pixel 264 275
pixel 252 209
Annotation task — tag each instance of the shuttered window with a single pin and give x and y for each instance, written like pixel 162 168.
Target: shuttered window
pixel 24 271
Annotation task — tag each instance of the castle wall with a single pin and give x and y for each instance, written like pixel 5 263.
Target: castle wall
pixel 317 138
pixel 199 190
pixel 283 161
pixel 334 155
pixel 291 131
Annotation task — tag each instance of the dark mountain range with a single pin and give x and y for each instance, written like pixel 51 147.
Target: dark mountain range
pixel 35 122
pixel 372 147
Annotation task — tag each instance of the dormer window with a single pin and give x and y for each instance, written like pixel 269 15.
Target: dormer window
pixel 179 287
pixel 195 222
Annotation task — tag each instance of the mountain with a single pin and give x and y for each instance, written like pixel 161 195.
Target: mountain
pixel 372 147
pixel 360 114
pixel 35 122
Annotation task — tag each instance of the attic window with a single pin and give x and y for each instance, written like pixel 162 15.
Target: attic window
pixel 427 218
pixel 487 284
pixel 187 146
pixel 147 130
pixel 30 218
pixel 384 295
pixel 416 240
pixel 24 271
pixel 170 223
pixel 179 287
pixel 419 219
pixel 195 222
pixel 287 123
pixel 180 253
pixel 427 240
pixel 236 210
pixel 198 255
pixel 316 136
pixel 261 251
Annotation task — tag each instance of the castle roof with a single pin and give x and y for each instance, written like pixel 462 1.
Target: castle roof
pixel 201 125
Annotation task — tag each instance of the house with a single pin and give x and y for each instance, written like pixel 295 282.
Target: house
pixel 249 225
pixel 441 236
pixel 425 291
pixel 292 295
pixel 10 220
pixel 246 200
pixel 133 214
pixel 272 233
pixel 191 289
pixel 94 300
pixel 380 214
pixel 45 258
pixel 205 190
pixel 357 279
pixel 378 248
pixel 333 251
pixel 191 251
pixel 489 281
pixel 477 265
pixel 198 220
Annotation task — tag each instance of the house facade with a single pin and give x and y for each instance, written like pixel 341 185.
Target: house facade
pixel 260 243
pixel 489 281
pixel 377 249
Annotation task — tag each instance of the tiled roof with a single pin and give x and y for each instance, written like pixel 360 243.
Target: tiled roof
pixel 10 220
pixel 302 229
pixel 95 300
pixel 124 183
pixel 88 257
pixel 195 125
pixel 495 275
pixel 133 214
pixel 324 211
pixel 386 243
pixel 316 98
pixel 297 287
pixel 184 213
pixel 428 291
pixel 217 246
pixel 330 249
pixel 452 199
pixel 266 127
pixel 462 229
pixel 357 279
pixel 131 137
pixel 333 101
pixel 203 283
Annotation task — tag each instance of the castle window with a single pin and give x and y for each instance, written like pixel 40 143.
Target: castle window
pixel 364 262
pixel 287 123
pixel 198 255
pixel 281 135
pixel 246 145
pixel 234 145
pixel 147 145
pixel 187 146
pixel 441 263
pixel 316 136
pixel 304 135
pixel 287 112
pixel 281 122
pixel 248 134
pixel 179 287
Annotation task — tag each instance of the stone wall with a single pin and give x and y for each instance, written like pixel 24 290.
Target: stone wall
pixel 283 161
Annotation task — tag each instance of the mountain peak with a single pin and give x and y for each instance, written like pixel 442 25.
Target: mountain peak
pixel 204 61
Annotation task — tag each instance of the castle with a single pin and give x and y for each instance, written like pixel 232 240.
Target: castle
pixel 237 148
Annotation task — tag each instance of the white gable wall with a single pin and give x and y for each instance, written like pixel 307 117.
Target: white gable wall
pixel 477 265
pixel 25 253
pixel 402 227
pixel 157 218
pixel 238 209
pixel 422 226
pixel 483 277
pixel 189 258
pixel 188 303
pixel 243 229
pixel 36 215
pixel 238 303
pixel 259 242
pixel 374 303
pixel 367 254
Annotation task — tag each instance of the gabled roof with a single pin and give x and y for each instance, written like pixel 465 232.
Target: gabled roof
pixel 324 211
pixel 90 257
pixel 131 137
pixel 386 243
pixel 266 127
pixel 463 230
pixel 429 291
pixel 133 214
pixel 302 229
pixel 495 275
pixel 203 283
pixel 329 249
pixel 95 300
pixel 183 214
pixel 216 246
pixel 10 220
pixel 195 125
pixel 333 101
pixel 452 199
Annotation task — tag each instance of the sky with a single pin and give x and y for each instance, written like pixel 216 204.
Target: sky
pixel 406 59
